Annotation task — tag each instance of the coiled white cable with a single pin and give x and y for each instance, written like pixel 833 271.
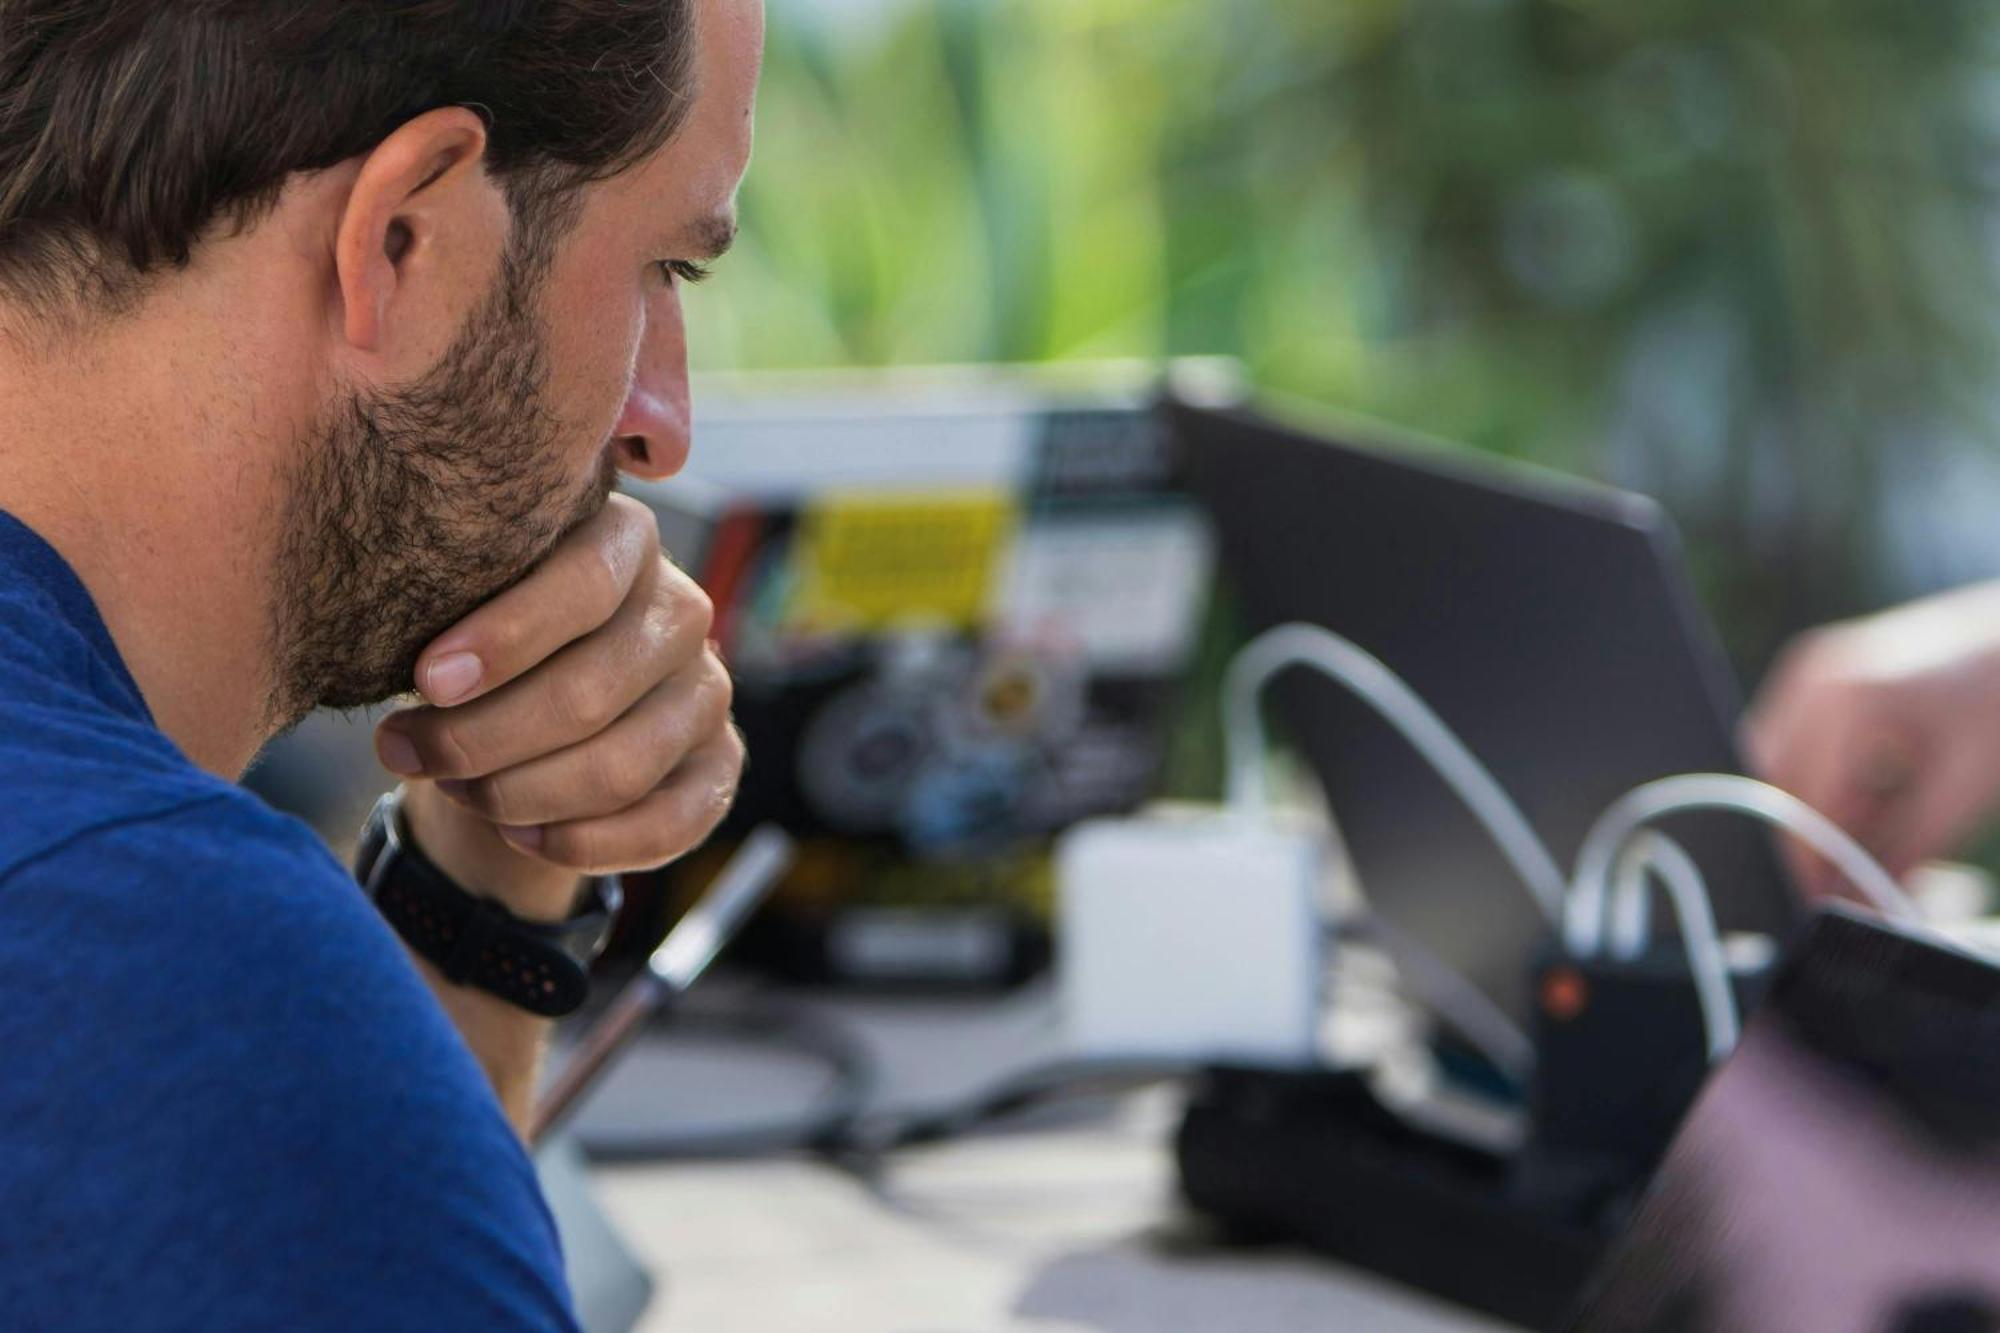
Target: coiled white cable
pixel 1584 923
pixel 1649 853
pixel 1631 905
pixel 1449 995
pixel 1619 846
pixel 1278 650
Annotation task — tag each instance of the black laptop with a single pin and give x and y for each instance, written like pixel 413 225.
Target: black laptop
pixel 1549 622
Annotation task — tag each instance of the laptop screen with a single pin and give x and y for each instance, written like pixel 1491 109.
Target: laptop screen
pixel 1546 621
pixel 1841 1172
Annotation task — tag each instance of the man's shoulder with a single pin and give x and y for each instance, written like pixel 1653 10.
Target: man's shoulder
pixel 246 904
pixel 71 763
pixel 171 814
pixel 219 1053
pixel 53 647
pixel 202 909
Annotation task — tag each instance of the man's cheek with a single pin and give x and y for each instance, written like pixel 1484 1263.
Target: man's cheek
pixel 592 401
pixel 596 358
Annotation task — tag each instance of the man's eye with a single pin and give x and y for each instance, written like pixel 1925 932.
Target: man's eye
pixel 683 270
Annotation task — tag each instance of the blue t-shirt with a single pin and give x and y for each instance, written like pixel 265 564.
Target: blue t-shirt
pixel 227 1099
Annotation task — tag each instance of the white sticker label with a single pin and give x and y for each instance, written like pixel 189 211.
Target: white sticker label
pixel 1124 588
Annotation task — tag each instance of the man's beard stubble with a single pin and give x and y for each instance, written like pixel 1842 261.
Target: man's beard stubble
pixel 409 509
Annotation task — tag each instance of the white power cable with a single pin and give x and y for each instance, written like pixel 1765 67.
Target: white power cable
pixel 1631 905
pixel 1277 650
pixel 1648 852
pixel 1584 923
pixel 1457 1001
pixel 1619 846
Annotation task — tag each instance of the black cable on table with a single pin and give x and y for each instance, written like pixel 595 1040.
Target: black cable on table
pixel 789 1028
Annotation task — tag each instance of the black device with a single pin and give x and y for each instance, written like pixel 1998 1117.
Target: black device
pixel 1841 1172
pixel 1547 621
pixel 543 967
pixel 1621 1051
pixel 958 608
pixel 1315 1158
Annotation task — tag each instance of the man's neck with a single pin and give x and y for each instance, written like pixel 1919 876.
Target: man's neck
pixel 121 456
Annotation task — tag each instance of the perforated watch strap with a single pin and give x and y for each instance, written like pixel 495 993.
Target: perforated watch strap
pixel 543 967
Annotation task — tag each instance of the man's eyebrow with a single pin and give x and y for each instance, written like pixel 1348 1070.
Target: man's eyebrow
pixel 714 234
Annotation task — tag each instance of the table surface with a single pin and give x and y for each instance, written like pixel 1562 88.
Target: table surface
pixel 1067 1230
pixel 1072 1226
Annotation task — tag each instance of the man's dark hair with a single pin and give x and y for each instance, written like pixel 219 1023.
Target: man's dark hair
pixel 129 128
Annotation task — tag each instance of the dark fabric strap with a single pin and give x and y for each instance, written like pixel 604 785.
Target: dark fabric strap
pixel 543 967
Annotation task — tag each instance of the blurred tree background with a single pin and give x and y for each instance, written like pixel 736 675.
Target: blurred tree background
pixel 1741 256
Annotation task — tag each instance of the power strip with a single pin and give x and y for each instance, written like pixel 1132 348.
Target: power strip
pixel 1314 1158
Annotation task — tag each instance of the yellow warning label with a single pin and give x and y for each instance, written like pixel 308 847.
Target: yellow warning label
pixel 872 561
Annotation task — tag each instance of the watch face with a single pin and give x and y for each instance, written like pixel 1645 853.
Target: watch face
pixel 374 840
pixel 600 910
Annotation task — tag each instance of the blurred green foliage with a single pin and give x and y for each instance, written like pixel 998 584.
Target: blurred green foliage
pixel 1736 254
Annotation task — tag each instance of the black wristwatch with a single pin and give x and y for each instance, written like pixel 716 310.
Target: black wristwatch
pixel 543 967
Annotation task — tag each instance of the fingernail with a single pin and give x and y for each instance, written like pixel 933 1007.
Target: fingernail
pixel 528 837
pixel 455 788
pixel 397 753
pixel 451 678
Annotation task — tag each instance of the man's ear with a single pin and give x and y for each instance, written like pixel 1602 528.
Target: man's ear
pixel 423 226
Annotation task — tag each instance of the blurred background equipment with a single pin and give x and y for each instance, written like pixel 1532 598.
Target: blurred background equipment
pixel 959 608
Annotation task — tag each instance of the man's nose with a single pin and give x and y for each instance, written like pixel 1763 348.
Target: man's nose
pixel 654 429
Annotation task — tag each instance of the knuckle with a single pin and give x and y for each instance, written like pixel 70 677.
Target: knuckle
pixel 602 577
pixel 701 608
pixel 617 777
pixel 693 609
pixel 715 695
pixel 658 637
pixel 451 749
pixel 630 540
pixel 721 681
pixel 716 799
pixel 493 798
pixel 698 812
pixel 625 509
pixel 581 701
pixel 648 524
pixel 505 638
pixel 739 750
pixel 635 520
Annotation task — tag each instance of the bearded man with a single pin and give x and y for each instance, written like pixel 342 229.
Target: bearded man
pixel 326 328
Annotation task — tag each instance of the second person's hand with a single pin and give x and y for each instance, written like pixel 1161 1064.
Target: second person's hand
pixel 1890 726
